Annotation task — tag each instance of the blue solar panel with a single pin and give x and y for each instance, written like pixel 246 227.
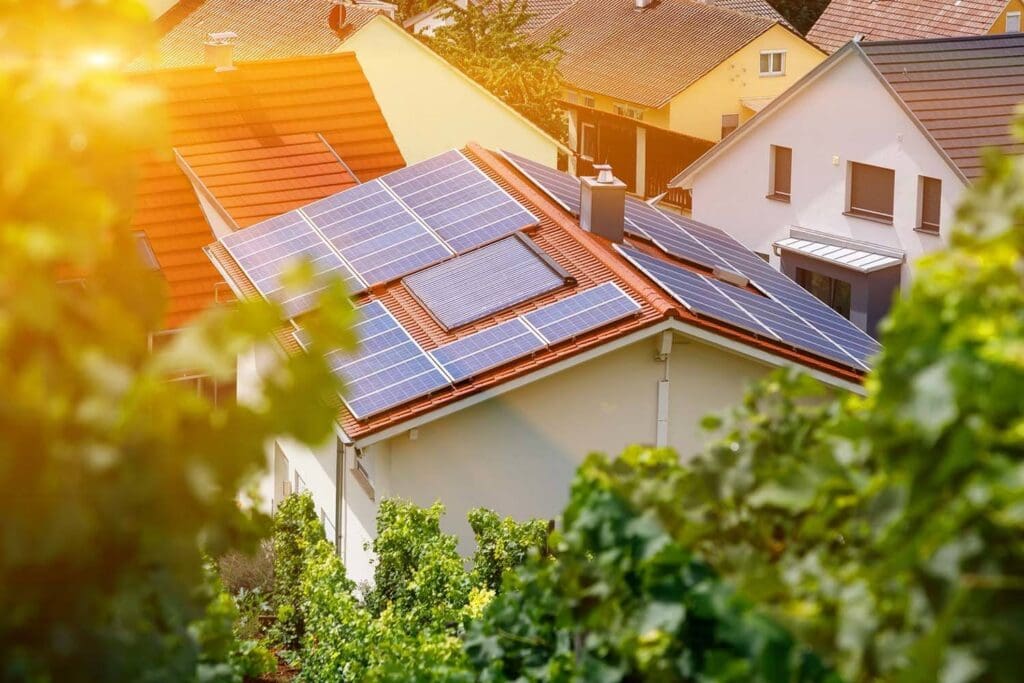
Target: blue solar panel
pixel 461 204
pixel 484 281
pixel 488 349
pixel 267 250
pixel 648 222
pixel 579 313
pixel 388 368
pixel 854 342
pixel 695 292
pixel 564 188
pixel 378 236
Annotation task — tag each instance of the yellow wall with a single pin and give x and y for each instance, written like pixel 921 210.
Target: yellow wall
pixel 432 107
pixel 999 25
pixel 698 110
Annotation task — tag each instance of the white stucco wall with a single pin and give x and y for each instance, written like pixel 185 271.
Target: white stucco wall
pixel 846 113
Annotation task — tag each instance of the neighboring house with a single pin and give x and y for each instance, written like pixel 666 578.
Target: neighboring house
pixel 235 156
pixel 651 86
pixel 870 20
pixel 510 326
pixel 855 172
pixel 430 105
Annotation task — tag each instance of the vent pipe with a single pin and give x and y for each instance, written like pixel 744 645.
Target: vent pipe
pixel 336 19
pixel 603 204
pixel 219 50
pixel 641 5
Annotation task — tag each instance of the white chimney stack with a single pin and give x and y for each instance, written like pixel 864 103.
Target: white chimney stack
pixel 219 49
pixel 603 204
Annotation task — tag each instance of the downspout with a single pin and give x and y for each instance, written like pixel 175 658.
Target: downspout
pixel 340 518
pixel 664 355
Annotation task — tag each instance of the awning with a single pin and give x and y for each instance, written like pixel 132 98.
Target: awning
pixel 756 104
pixel 854 259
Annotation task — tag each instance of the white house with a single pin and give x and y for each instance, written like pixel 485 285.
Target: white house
pixel 855 172
pixel 515 319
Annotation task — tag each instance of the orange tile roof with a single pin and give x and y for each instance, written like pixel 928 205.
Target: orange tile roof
pixel 587 258
pixel 647 57
pixel 902 20
pixel 267 29
pixel 254 134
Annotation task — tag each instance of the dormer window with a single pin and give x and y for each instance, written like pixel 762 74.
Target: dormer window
pixel 1013 22
pixel 773 63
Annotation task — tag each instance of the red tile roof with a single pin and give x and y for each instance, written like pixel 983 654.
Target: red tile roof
pixel 964 91
pixel 254 120
pixel 651 56
pixel 902 20
pixel 589 259
pixel 267 29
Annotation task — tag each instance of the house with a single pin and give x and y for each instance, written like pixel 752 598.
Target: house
pixel 245 144
pixel 434 17
pixel 844 20
pixel 429 104
pixel 650 86
pixel 512 319
pixel 849 177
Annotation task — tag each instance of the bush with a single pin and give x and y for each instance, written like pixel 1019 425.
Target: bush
pixel 502 544
pixel 296 529
pixel 240 571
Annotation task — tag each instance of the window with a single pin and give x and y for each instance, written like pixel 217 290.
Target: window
pixel 730 122
pixel 146 254
pixel 930 192
pixel 773 63
pixel 871 192
pixel 588 101
pixel 629 112
pixel 781 173
pixel 1013 22
pixel 219 394
pixel 588 141
pixel 572 97
pixel 835 293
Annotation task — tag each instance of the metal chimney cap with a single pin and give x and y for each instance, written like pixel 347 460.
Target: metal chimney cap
pixel 221 38
pixel 604 174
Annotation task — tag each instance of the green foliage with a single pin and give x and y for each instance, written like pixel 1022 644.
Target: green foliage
pixel 115 479
pixel 801 13
pixel 625 601
pixel 486 42
pixel 887 531
pixel 502 545
pixel 410 8
pixel 296 528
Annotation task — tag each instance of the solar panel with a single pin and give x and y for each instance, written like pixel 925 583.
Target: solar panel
pixel 488 349
pixel 389 368
pixel 646 221
pixel 588 310
pixel 458 201
pixel 562 187
pixel 485 281
pixel 854 342
pixel 375 233
pixel 265 251
pixel 695 292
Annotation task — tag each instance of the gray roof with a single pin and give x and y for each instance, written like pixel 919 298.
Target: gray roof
pixel 963 90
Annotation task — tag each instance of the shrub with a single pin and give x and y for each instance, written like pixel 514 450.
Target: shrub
pixel 502 544
pixel 240 571
pixel 296 529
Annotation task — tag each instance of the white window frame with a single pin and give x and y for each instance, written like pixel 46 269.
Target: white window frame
pixel 583 138
pixel 589 102
pixel 1014 15
pixel 771 73
pixel 628 111
pixel 572 97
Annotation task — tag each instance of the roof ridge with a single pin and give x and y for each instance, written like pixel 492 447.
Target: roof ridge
pixel 654 297
pixel 944 39
pixel 202 68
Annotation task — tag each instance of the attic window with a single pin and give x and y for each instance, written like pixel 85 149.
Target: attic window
pixel 146 255
pixel 773 63
pixel 589 101
pixel 1013 22
pixel 629 112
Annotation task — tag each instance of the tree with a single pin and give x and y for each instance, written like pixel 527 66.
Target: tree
pixel 485 40
pixel 801 13
pixel 115 480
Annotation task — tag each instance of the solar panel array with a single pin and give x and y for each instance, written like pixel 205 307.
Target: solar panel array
pixel 713 248
pixel 388 369
pixel 488 349
pixel 458 202
pixel 267 250
pixel 581 313
pixel 381 230
pixel 735 306
pixel 484 281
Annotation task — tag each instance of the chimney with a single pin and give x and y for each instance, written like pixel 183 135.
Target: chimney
pixel 603 204
pixel 641 5
pixel 336 19
pixel 219 49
